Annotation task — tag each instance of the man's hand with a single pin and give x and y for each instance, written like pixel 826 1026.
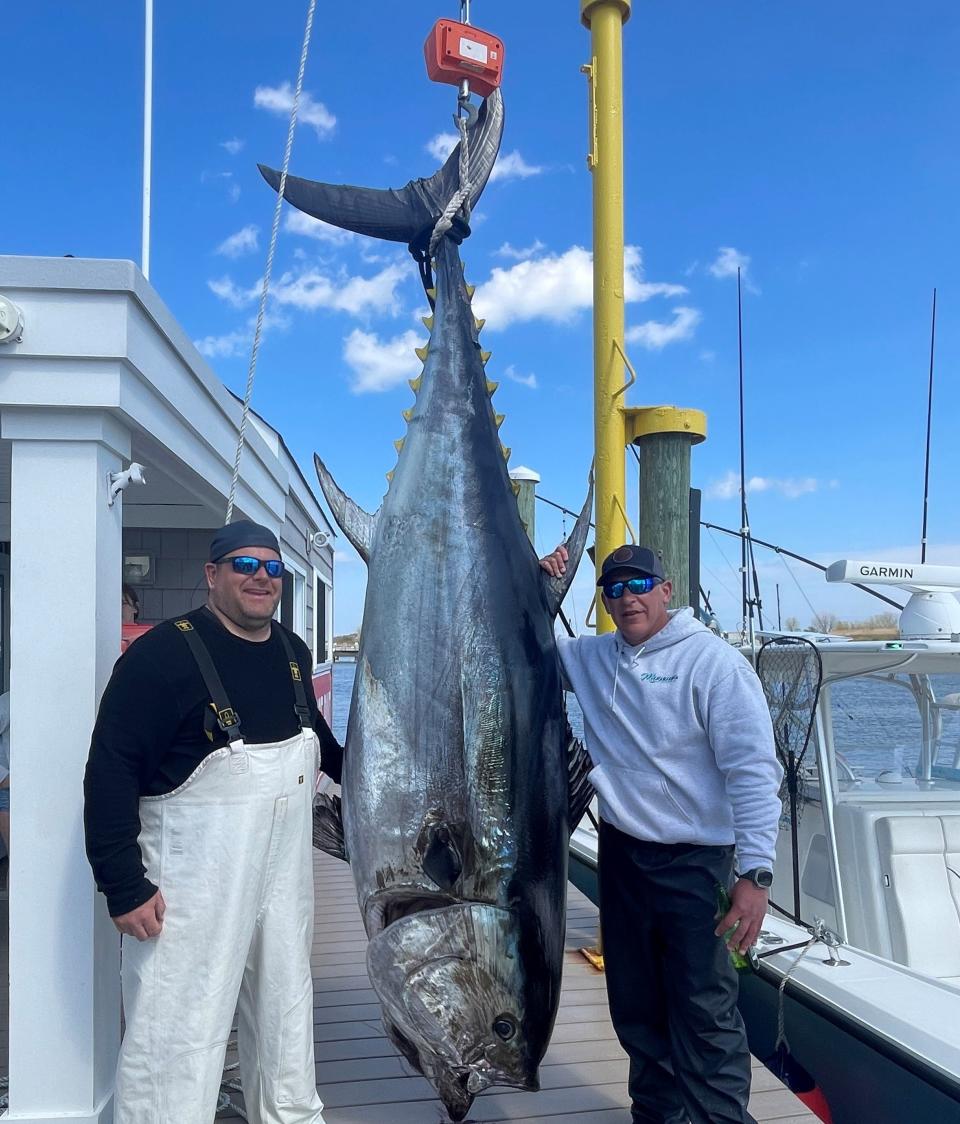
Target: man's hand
pixel 556 563
pixel 145 921
pixel 748 906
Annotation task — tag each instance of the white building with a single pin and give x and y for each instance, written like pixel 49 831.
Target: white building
pixel 104 376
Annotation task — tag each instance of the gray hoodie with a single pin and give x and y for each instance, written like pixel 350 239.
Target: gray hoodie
pixel 680 736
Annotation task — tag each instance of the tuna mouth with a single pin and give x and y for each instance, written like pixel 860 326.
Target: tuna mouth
pixel 383 908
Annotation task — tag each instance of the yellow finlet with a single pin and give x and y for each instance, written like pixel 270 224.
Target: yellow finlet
pixel 398 444
pixel 422 353
pixel 431 294
pixel 478 323
pixel 506 452
pixel 427 322
pixel 491 387
pixel 415 384
pixel 407 415
pixel 515 487
pixel 471 289
pixel 390 476
pixel 499 419
pixel 485 357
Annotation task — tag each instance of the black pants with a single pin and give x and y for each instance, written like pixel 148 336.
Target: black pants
pixel 671 987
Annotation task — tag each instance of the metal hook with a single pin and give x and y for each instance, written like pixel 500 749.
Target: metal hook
pixel 469 109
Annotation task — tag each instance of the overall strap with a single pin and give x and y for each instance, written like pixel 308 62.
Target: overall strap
pixel 299 694
pixel 227 717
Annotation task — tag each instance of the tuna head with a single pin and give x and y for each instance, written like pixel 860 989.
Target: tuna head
pixel 453 987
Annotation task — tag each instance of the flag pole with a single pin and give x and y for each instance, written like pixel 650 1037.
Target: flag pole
pixel 147 134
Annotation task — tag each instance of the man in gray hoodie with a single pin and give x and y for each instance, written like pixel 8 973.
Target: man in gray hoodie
pixel 687 779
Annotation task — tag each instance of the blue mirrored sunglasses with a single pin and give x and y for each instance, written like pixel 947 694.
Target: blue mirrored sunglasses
pixel 636 586
pixel 245 564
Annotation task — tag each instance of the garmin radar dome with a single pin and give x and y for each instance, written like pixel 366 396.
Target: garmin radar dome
pixel 933 611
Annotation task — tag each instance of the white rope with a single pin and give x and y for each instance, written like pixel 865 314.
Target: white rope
pixel 459 198
pixel 819 934
pixel 266 276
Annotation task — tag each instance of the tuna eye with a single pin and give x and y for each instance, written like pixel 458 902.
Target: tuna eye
pixel 504 1027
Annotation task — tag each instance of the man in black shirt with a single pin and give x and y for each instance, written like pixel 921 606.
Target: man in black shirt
pixel 198 798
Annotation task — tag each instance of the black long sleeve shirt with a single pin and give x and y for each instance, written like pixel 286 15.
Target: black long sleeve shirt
pixel 155 725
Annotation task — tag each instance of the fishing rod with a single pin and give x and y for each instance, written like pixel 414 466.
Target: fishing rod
pixel 754 540
pixel 926 459
pixel 747 561
pixel 799 558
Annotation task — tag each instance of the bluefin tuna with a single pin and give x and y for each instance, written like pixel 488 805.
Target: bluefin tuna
pixel 461 779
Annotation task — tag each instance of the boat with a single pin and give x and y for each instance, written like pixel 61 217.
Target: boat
pixel 860 952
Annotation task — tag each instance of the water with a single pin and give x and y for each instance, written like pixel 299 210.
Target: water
pixel 876 725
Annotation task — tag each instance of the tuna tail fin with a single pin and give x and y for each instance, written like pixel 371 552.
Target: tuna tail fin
pixel 579 791
pixel 358 525
pixel 399 215
pixel 328 827
pixel 556 588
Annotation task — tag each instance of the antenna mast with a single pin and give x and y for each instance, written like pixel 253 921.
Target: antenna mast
pixel 926 461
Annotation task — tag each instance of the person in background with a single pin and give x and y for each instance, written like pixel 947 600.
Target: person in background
pixel 129 605
pixel 198 817
pixel 686 774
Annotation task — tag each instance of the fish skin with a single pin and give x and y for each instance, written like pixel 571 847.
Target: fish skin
pixel 455 775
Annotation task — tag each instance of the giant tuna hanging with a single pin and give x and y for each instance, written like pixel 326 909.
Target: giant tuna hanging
pixel 461 779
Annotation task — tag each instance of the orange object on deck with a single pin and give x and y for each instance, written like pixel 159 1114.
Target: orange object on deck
pixel 457 51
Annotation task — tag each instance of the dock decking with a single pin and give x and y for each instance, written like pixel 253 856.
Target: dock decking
pixel 363 1080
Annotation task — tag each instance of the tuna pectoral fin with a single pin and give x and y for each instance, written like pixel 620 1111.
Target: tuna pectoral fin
pixel 328 827
pixel 557 587
pixel 580 790
pixel 358 525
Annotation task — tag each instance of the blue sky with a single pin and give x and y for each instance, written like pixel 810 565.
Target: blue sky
pixel 814 144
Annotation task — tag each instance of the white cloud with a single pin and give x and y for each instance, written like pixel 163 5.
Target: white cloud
pixel 224 347
pixel 296 222
pixel 728 486
pixel 728 261
pixel 311 289
pixel 511 165
pixel 442 145
pixel 358 296
pixel 243 242
pixel 381 364
pixel 279 100
pixel 232 344
pixel 509 251
pixel 655 335
pixel 233 146
pixel 708 356
pixel 556 287
pixel 227 290
pixel 524 380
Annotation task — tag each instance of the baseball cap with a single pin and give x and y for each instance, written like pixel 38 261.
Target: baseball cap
pixel 632 559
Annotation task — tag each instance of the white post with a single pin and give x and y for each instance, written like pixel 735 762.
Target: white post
pixel 64 638
pixel 147 134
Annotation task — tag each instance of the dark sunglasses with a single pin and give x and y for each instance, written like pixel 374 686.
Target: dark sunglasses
pixel 637 586
pixel 245 564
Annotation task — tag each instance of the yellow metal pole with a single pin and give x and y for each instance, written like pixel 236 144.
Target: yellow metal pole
pixel 606 18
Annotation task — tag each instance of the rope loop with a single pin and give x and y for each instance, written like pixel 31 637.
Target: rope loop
pixel 458 200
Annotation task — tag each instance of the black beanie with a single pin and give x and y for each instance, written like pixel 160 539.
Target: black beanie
pixel 240 534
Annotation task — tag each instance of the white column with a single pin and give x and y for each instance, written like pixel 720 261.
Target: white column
pixel 64 639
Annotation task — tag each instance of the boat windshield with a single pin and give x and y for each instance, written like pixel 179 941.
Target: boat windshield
pixel 889 731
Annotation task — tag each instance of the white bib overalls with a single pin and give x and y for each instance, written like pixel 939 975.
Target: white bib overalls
pixel 231 850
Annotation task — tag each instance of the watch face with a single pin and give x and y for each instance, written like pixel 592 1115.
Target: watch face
pixel 763 879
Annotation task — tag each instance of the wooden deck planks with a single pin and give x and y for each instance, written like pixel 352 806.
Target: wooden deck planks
pixel 362 1080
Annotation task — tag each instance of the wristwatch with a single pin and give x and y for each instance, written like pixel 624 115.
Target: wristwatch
pixel 761 878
